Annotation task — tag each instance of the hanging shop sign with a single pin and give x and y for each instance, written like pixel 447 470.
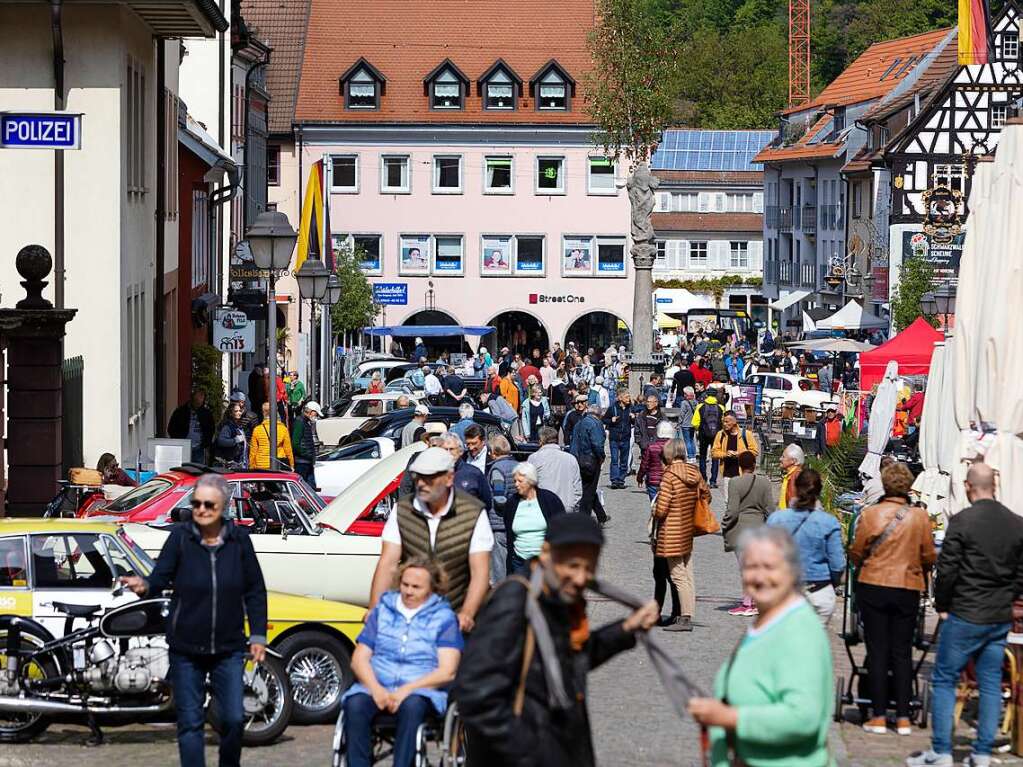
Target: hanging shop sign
pixel 941 255
pixel 390 293
pixel 233 331
pixel 944 209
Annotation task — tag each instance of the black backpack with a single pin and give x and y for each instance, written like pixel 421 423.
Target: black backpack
pixel 710 421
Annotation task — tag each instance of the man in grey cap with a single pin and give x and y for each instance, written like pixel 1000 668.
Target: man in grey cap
pixel 408 434
pixel 507 696
pixel 441 523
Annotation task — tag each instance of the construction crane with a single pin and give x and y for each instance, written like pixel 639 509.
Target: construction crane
pixel 799 52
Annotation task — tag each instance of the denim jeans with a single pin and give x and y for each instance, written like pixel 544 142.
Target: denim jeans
pixel 651 491
pixel 619 467
pixel 306 471
pixel 360 711
pixel 690 440
pixel 499 557
pixel 705 446
pixel 518 565
pixel 188 680
pixel 959 641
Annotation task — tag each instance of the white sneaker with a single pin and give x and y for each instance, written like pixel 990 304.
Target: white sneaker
pixel 929 759
pixel 977 760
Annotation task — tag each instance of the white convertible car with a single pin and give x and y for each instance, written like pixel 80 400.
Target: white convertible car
pixel 339 468
pixel 330 430
pixel 331 555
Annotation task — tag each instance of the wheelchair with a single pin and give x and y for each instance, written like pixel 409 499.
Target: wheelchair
pixel 444 733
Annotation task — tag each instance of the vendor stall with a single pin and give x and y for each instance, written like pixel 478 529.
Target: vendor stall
pixel 912 349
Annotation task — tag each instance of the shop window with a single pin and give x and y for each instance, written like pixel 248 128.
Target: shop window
pixel 498 175
pixel 550 175
pixel 367 247
pixel 496 251
pixel 577 256
pixel 448 259
pixel 447 175
pixel 529 254
pixel 394 176
pixel 611 256
pixel 344 174
pixel 600 178
pixel 414 254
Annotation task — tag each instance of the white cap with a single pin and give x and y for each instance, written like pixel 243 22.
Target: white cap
pixel 419 340
pixel 314 406
pixel 433 460
pixel 483 350
pixel 422 410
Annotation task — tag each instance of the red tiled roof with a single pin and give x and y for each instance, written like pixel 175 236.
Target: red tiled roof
pixel 708 222
pixel 944 64
pixel 754 178
pixel 861 81
pixel 281 24
pixel 405 41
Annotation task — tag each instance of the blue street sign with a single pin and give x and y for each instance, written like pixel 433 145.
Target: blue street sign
pixel 664 300
pixel 40 130
pixel 390 293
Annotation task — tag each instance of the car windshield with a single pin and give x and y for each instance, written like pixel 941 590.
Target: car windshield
pixel 144 492
pixel 145 561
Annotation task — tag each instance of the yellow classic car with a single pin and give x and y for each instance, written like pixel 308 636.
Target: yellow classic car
pixel 79 561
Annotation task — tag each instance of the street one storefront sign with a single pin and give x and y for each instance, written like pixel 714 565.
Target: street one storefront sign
pixel 942 256
pixel 540 298
pixel 390 293
pixel 233 331
pixel 40 130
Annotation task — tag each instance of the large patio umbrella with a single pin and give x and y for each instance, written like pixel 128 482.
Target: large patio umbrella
pixel 930 483
pixel 882 416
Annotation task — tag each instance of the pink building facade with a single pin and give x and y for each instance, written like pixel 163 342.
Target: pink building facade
pixel 523 227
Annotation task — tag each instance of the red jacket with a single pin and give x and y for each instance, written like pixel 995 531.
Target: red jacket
pixel 914 406
pixel 701 374
pixel 650 466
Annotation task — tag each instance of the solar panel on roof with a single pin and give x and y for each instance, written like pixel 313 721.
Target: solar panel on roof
pixel 697 150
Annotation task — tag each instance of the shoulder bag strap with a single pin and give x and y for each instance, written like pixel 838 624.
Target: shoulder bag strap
pixel 900 515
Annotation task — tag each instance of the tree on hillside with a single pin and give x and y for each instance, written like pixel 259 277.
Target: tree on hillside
pixel 631 93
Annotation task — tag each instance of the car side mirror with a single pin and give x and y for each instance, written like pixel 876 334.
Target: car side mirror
pixel 180 514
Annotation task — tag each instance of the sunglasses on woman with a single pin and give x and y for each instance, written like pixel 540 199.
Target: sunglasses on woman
pixel 208 505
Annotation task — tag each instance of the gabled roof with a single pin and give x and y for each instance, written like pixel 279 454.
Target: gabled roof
pixel 500 64
pixel 876 71
pixel 934 70
pixel 809 146
pixel 375 73
pixel 552 64
pixel 281 24
pixel 404 39
pixel 449 65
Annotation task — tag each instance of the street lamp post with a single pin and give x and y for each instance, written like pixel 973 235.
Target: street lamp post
pixel 940 301
pixel 330 297
pixel 272 241
pixel 312 281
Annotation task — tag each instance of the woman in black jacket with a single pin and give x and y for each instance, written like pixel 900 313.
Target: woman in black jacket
pixel 230 445
pixel 526 515
pixel 217 583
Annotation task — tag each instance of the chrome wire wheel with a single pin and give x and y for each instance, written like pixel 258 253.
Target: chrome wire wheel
pixel 264 698
pixel 20 726
pixel 316 679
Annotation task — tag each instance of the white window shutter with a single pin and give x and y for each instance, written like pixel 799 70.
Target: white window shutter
pixel 758 202
pixel 704 202
pixel 721 202
pixel 663 202
pixel 756 255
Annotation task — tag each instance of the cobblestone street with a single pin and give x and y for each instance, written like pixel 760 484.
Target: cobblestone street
pixel 632 720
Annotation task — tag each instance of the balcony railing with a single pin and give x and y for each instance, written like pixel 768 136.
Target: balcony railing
pixel 831 217
pixel 808 219
pixel 808 276
pixel 785 219
pixel 785 273
pixel 771 216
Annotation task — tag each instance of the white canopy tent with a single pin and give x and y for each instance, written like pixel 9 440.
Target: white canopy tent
pixel 882 416
pixel 784 302
pixel 852 317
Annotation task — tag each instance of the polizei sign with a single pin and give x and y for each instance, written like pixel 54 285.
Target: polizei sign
pixel 40 130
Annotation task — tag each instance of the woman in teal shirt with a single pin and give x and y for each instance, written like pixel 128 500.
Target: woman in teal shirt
pixel 775 694
pixel 525 518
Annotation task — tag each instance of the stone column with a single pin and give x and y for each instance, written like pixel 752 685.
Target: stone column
pixel 33 335
pixel 642 185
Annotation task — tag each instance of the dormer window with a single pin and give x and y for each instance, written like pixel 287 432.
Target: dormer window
pixel 499 87
pixel 446 87
pixel 362 86
pixel 552 88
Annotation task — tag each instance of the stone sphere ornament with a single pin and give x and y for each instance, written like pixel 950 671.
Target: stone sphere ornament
pixel 34 263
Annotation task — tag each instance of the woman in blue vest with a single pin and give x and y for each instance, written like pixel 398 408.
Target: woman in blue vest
pixel 406 655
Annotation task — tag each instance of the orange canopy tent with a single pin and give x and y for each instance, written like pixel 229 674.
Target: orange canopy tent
pixel 912 349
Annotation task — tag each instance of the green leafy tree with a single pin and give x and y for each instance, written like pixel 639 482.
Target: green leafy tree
pixel 356 309
pixel 916 277
pixel 207 375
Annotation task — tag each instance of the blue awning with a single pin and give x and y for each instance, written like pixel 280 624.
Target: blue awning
pixel 430 331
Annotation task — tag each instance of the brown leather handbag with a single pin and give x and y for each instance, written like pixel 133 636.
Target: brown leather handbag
pixel 704 521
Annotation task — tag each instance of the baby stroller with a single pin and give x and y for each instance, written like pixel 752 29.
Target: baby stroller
pixel 854 690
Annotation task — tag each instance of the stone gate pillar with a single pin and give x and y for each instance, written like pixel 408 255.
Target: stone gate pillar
pixel 32 335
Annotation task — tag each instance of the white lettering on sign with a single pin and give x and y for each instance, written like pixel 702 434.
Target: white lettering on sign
pixel 40 131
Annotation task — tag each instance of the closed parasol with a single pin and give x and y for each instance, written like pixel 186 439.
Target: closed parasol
pixel 882 416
